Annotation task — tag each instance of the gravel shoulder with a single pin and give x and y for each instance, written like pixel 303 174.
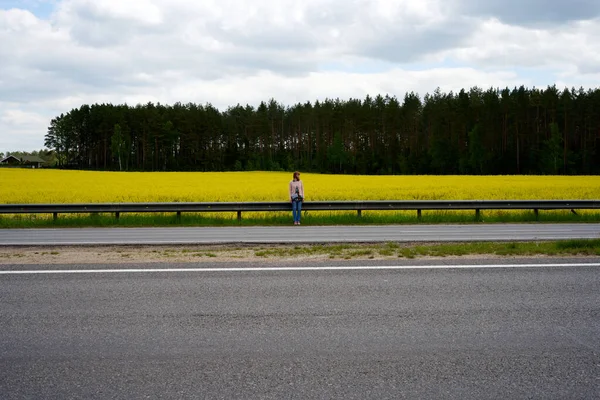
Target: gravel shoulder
pixel 54 255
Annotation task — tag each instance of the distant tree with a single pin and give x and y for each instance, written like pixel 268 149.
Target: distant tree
pixel 551 158
pixel 476 151
pixel 336 154
pixel 61 138
pixel 117 144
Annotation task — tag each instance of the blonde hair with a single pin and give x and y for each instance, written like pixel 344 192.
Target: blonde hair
pixel 296 174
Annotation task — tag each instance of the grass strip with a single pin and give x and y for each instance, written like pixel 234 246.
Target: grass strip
pixel 579 247
pixel 296 253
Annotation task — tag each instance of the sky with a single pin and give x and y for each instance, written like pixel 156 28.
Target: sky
pixel 56 55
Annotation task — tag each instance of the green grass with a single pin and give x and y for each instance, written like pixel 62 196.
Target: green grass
pixel 578 244
pixel 358 251
pixel 568 247
pixel 284 219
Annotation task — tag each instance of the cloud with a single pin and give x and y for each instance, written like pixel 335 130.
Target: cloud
pixel 107 23
pixel 24 129
pixel 321 85
pixel 576 46
pixel 230 51
pixel 532 12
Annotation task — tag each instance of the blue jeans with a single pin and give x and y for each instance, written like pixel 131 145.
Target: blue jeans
pixel 296 209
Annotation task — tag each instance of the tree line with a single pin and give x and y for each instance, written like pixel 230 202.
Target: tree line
pixel 496 131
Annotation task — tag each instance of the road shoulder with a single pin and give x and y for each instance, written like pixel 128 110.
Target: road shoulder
pixel 371 254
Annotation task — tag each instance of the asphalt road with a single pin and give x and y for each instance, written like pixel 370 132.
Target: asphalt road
pixel 299 234
pixel 454 333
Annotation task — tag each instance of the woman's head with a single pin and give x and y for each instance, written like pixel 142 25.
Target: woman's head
pixel 296 176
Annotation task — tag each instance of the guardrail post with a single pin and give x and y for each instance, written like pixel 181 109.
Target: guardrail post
pixel 419 215
pixel 178 216
pixel 117 215
pixel 55 216
pixel 477 214
pixel 239 215
pixel 359 213
pixel 537 213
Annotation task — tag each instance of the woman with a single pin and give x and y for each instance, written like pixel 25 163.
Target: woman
pixel 296 197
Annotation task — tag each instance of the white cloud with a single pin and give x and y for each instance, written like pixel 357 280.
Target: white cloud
pixel 497 44
pixel 18 127
pixel 19 117
pixel 546 13
pixel 233 51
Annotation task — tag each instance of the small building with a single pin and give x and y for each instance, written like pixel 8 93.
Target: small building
pixel 10 160
pixel 32 161
pixel 24 161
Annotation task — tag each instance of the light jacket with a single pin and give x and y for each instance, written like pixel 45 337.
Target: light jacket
pixel 294 185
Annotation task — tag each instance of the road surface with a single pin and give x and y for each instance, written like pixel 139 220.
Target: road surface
pixel 453 332
pixel 299 234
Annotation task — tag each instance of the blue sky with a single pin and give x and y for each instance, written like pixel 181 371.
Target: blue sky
pixel 60 54
pixel 40 8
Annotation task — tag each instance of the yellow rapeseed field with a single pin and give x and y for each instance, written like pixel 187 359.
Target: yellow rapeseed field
pixel 21 186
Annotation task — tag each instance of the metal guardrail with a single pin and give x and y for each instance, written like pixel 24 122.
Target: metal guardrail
pixel 359 206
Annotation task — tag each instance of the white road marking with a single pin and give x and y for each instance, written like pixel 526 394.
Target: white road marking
pixel 279 269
